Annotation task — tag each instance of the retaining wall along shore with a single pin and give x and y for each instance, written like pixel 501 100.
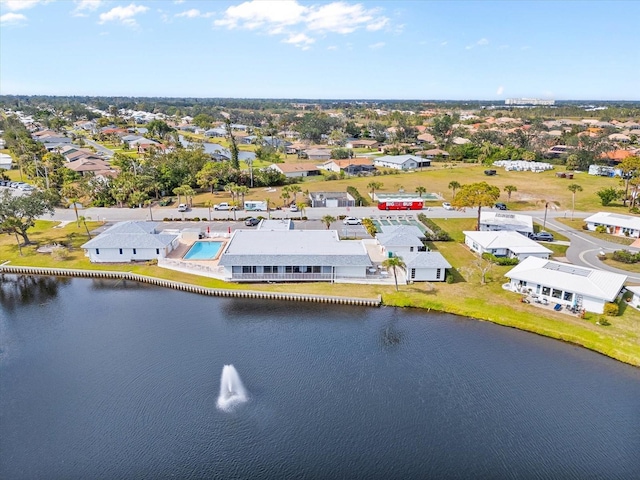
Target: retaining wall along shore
pixel 186 287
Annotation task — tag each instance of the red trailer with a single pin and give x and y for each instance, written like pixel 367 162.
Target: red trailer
pixel 401 204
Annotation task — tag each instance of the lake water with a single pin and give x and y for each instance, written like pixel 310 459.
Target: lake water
pixel 105 379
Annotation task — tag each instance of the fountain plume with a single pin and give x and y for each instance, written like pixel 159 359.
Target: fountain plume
pixel 232 391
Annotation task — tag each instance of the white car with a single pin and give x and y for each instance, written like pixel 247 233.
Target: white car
pixel 293 207
pixel 183 207
pixel 447 206
pixel 352 221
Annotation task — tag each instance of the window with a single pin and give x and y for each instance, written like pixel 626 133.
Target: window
pixel 568 296
pixel 316 269
pixel 120 251
pixel 413 273
pixel 438 273
pixel 266 269
pixel 556 293
pixel 288 269
pixel 411 249
pixel 134 251
pixel 546 290
pixel 97 251
pixel 249 269
pixel 157 251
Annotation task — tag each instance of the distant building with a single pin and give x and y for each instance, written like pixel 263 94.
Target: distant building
pixel 528 101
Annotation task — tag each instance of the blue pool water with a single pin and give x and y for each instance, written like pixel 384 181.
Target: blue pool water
pixel 203 251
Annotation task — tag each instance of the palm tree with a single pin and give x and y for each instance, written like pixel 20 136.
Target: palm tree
pixel 285 195
pixel 509 189
pixel 294 189
pixel 373 186
pixel 453 185
pixel 421 190
pixel 84 222
pixel 328 220
pixel 393 263
pixel 573 188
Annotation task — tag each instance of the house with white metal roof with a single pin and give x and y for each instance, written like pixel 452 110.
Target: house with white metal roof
pixel 505 243
pixel 492 221
pixel 425 266
pixel 615 223
pixel 293 255
pixel 401 162
pixel 566 284
pixel 128 242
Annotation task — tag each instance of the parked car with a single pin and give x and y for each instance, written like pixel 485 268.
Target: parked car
pixel 293 207
pixel 25 187
pixel 542 236
pixel 490 172
pixel 223 206
pixel 352 221
pixel 4 183
pixel 501 206
pixel 183 207
pixel 251 222
pixel 447 206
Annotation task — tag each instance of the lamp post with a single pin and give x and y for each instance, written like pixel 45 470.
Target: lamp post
pixel 544 223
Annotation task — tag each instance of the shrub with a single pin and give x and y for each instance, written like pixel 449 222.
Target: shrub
pixel 625 256
pixel 601 229
pixel 611 309
pixel 603 322
pixel 195 219
pixel 59 254
pixel 166 219
pixel 360 200
pixel 434 233
pixel 448 278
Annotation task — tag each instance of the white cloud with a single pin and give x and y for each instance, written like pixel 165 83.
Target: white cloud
pixel 15 5
pixel 281 17
pixel 300 40
pixel 500 90
pixel 332 47
pixel 123 15
pixel 83 6
pixel 194 13
pixel 12 19
pixel 479 43
pixel 377 45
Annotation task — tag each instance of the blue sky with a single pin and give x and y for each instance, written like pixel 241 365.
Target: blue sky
pixel 297 49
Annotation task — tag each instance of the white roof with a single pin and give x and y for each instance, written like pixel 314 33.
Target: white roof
pixel 615 219
pixel 521 222
pixel 564 276
pixel 397 159
pixel 131 235
pixel 292 247
pixel 425 260
pixel 507 239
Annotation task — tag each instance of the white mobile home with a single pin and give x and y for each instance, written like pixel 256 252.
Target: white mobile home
pixel 505 244
pixel 492 221
pixel 616 224
pixel 566 284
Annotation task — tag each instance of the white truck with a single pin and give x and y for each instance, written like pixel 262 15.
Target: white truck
pixel 223 206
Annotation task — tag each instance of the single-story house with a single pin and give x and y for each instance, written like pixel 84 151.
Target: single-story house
pixel 615 223
pixel 505 243
pixel 492 221
pixel 358 143
pixel 84 165
pixel 401 162
pixel 331 199
pixel 317 154
pixel 292 255
pixel 130 241
pixel 291 170
pixel 399 243
pixel 219 132
pixel 425 267
pixel 566 284
pixel 340 165
pixel 635 298
pixel 434 153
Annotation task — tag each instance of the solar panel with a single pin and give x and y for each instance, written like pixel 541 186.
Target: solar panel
pixel 571 269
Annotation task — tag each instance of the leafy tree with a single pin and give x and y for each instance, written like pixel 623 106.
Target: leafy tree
pixel 510 189
pixel 341 153
pixel 203 120
pixel 294 190
pixel 158 128
pixel 476 195
pixel 420 190
pixel 18 214
pixel 207 177
pixel 573 188
pixel 233 145
pixel 454 185
pixel 608 195
pixel 630 168
pixel 328 220
pixel 394 263
pixel 442 128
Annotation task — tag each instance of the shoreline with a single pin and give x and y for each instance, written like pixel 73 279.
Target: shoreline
pixel 629 359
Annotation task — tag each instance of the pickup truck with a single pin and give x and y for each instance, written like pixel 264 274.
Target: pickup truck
pixel 223 206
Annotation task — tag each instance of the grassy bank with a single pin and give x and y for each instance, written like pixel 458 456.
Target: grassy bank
pixel 466 296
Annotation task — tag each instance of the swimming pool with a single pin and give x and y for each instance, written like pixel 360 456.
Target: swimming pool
pixel 203 251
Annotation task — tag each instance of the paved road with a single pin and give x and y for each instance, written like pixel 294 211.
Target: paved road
pixel 99 148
